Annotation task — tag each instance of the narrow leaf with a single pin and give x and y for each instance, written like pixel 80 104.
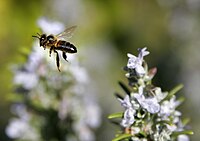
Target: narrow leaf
pixel 186 132
pixel 164 122
pixel 185 121
pixel 173 91
pixel 116 115
pixel 122 137
pixel 127 91
pixel 176 89
pixel 118 95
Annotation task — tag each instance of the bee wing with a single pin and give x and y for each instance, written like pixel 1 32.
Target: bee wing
pixel 67 33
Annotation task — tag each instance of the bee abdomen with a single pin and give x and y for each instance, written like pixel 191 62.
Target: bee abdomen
pixel 66 47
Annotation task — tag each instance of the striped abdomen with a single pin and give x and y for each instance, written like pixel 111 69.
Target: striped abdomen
pixel 66 47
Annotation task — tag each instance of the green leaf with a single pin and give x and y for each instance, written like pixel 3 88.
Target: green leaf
pixel 124 87
pixel 173 92
pixel 176 89
pixel 122 137
pixel 185 121
pixel 164 122
pixel 186 132
pixel 181 99
pixel 115 115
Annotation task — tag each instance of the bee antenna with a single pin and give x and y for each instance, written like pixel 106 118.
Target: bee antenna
pixel 36 36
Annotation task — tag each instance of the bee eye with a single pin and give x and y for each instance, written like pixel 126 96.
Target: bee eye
pixel 43 37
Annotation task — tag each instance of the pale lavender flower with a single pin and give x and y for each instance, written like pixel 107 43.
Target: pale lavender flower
pixel 16 128
pixel 168 107
pixel 79 73
pixel 26 79
pixel 68 93
pixel 162 135
pixel 84 133
pixel 159 94
pixel 150 104
pixel 125 102
pixel 93 114
pixel 128 118
pixel 21 111
pixel 136 62
pixel 171 127
pixel 50 27
pixel 183 138
pixel 147 108
pixel 34 59
pixel 20 128
pixel 64 107
pixel 143 53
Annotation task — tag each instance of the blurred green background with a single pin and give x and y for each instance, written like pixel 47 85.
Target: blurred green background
pixel 107 30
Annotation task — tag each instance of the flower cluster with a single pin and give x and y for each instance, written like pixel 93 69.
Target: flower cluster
pixel 149 113
pixel 52 105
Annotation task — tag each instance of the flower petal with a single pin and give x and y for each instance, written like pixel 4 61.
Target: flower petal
pixel 151 105
pixel 140 70
pixel 128 117
pixel 143 53
pixel 131 56
pixel 125 102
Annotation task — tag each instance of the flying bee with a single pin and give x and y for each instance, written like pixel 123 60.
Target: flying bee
pixel 56 43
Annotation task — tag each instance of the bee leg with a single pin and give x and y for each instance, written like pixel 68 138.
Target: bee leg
pixel 64 56
pixel 57 60
pixel 50 51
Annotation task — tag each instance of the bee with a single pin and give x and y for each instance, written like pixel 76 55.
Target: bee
pixel 56 43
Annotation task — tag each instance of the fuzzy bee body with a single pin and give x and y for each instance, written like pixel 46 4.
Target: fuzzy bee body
pixel 55 43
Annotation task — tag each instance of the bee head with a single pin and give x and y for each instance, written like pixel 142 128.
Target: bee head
pixel 42 38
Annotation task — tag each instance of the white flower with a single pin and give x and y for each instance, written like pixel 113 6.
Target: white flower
pixel 183 138
pixel 143 53
pixel 159 94
pixel 150 104
pixel 168 107
pixel 126 102
pixel 162 135
pixel 21 111
pixel 171 127
pixel 93 114
pixel 35 58
pixel 136 62
pixel 16 128
pixel 84 132
pixel 129 118
pixel 79 73
pixel 64 107
pixel 50 27
pixel 26 79
pixel 19 128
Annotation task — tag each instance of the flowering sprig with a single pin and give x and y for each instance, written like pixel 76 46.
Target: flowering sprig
pixel 135 63
pixel 150 114
pixel 52 105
